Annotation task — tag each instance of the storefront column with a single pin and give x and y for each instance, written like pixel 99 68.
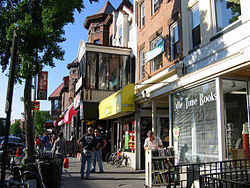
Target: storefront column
pixel 220 119
pixel 137 139
pixel 248 103
pixel 170 121
pixel 154 119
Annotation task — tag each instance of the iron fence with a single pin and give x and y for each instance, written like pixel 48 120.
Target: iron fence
pixel 221 172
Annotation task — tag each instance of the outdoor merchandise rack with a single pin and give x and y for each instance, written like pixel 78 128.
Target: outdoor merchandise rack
pixel 157 167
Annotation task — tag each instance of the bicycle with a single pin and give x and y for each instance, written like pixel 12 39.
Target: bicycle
pixel 123 158
pixel 19 178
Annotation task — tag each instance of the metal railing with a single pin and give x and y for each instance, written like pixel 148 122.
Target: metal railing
pixel 230 171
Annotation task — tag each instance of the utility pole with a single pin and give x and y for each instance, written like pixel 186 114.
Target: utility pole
pixel 9 104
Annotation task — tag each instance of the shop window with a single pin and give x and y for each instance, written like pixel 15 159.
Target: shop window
pixel 142 64
pixel 124 70
pixel 195 124
pixel 157 62
pixel 195 26
pixel 174 34
pixel 226 13
pixel 114 73
pixel 103 72
pixel 120 35
pixel 91 70
pixel 142 14
pixel 128 136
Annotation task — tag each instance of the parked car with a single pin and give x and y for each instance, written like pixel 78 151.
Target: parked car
pixel 13 143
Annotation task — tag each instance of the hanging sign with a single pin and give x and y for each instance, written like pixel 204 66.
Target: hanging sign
pixel 42 86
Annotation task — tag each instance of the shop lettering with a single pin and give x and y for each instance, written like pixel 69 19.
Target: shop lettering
pixel 190 102
pixel 206 99
pixel 203 99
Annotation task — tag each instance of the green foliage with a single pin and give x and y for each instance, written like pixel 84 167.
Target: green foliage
pixel 39 25
pixel 15 128
pixel 236 11
pixel 41 118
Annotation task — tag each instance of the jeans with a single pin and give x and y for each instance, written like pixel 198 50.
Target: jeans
pixel 83 162
pixel 97 155
pixel 61 158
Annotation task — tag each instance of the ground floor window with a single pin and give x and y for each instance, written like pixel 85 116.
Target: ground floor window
pixel 128 135
pixel 195 124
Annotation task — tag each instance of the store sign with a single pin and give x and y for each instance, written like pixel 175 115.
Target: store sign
pixel 201 100
pixel 42 86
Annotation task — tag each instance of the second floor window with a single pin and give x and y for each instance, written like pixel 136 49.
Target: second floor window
pixel 142 14
pixel 120 35
pixel 97 41
pixel 226 12
pixel 174 34
pixel 157 62
pixel 142 64
pixel 195 26
pixel 155 6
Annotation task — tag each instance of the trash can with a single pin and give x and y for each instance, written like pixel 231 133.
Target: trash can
pixel 50 172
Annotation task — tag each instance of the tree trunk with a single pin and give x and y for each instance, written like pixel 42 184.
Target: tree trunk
pixel 29 126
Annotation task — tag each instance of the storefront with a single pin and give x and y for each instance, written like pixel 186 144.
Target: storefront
pixel 119 110
pixel 207 121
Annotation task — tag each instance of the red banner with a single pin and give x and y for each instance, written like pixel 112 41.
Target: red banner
pixel 35 105
pixel 42 86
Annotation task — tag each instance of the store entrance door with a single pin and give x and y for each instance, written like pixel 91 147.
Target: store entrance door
pixel 236 114
pixel 146 125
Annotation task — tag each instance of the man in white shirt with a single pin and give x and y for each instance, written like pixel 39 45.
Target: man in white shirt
pixel 152 142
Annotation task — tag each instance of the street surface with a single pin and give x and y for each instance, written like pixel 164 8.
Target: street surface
pixel 122 177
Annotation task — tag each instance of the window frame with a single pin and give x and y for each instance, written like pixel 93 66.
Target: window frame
pixel 153 4
pixel 191 11
pixel 142 14
pixel 215 18
pixel 154 43
pixel 173 40
pixel 142 63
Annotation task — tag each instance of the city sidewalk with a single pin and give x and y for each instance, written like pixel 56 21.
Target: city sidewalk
pixel 122 177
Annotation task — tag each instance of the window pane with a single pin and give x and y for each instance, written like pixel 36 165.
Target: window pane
pixel 91 70
pixel 195 23
pixel 226 13
pixel 114 73
pixel 103 71
pixel 195 121
pixel 120 35
pixel 124 71
pixel 156 63
pixel 142 14
pixel 195 17
pixel 174 41
pixel 142 64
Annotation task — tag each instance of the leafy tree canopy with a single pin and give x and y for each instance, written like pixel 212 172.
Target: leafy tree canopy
pixel 41 118
pixel 39 26
pixel 15 128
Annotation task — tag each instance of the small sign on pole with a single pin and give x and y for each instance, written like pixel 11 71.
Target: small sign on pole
pixel 42 86
pixel 35 105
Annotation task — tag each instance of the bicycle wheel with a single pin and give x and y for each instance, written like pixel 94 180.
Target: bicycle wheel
pixel 119 161
pixel 107 157
pixel 110 159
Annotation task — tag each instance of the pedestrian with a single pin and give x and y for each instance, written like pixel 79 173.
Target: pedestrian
pixel 37 142
pixel 72 143
pixel 53 139
pixel 97 154
pixel 152 142
pixel 59 150
pixel 44 141
pixel 87 144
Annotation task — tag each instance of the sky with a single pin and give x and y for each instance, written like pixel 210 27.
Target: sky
pixel 73 34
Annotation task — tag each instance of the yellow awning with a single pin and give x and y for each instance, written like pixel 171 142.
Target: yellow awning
pixel 118 104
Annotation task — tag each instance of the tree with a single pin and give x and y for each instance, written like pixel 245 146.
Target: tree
pixel 41 118
pixel 39 26
pixel 15 128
